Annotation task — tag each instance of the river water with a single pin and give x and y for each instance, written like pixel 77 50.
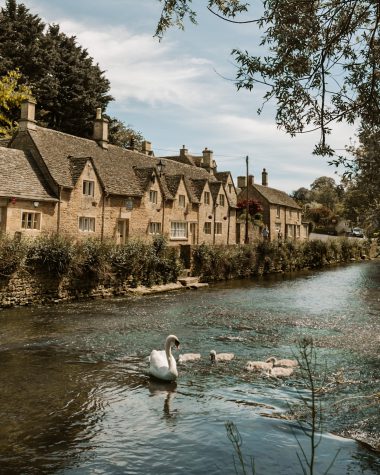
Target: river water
pixel 75 397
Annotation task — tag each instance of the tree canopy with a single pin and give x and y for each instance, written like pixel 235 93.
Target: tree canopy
pixel 12 93
pixel 65 82
pixel 319 60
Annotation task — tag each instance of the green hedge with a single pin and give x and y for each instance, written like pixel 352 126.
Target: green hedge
pixel 136 262
pixel 213 263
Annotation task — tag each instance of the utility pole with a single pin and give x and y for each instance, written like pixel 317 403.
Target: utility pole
pixel 246 240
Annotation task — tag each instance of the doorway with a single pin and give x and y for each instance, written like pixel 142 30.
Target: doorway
pixel 122 231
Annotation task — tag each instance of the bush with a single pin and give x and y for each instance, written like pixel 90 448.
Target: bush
pixel 12 253
pixel 92 258
pixel 53 252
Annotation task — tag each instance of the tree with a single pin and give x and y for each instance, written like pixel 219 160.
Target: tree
pixel 302 196
pixel 122 135
pixel 12 93
pixel 66 84
pixel 319 59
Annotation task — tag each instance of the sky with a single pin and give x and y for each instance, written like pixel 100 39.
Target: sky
pixel 180 91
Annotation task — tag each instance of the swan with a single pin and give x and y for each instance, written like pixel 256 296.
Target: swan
pixel 185 357
pixel 283 363
pixel 220 356
pixel 279 372
pixel 259 365
pixel 162 363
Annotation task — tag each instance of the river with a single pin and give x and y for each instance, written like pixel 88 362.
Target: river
pixel 75 398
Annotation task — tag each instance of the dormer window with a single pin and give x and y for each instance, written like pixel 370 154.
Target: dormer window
pixel 207 197
pixel 88 187
pixel 221 200
pixel 230 187
pixel 181 201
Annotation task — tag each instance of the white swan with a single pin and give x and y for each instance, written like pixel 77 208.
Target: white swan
pixel 279 372
pixel 220 356
pixel 162 363
pixel 283 363
pixel 259 365
pixel 185 357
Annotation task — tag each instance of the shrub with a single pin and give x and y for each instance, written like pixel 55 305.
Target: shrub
pixel 12 253
pixel 92 258
pixel 53 252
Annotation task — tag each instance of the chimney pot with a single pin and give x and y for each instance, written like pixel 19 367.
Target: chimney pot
pixel 264 177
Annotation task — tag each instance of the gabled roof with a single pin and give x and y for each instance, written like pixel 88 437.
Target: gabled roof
pixel 276 197
pixel 114 164
pixel 215 188
pixel 198 187
pixel 20 178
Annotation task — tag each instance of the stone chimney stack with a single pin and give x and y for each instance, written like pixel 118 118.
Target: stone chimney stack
pixel 147 147
pixel 208 162
pixel 264 178
pixel 27 119
pixel 241 182
pixel 183 151
pixel 101 129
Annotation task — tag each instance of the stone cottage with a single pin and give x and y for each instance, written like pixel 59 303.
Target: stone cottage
pixel 281 214
pixel 83 187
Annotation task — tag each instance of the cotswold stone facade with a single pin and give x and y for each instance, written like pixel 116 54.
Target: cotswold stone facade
pixel 83 187
pixel 55 182
pixel 281 214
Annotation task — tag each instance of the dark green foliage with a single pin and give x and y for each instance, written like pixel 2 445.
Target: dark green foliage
pixel 140 263
pixel 92 259
pixel 51 252
pixel 67 85
pixel 12 253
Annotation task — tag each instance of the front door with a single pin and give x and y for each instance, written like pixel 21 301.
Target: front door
pixel 193 233
pixel 122 231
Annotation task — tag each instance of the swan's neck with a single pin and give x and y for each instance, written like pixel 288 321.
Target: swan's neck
pixel 168 351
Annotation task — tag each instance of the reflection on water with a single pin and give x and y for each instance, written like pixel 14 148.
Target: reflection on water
pixel 75 396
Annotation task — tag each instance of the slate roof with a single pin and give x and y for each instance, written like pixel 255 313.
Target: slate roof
pixel 276 197
pixel 20 179
pixel 116 166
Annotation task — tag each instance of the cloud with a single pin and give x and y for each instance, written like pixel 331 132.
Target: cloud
pixel 142 69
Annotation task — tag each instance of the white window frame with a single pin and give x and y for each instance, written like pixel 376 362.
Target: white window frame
pixel 182 201
pixel 207 197
pixel 30 220
pixel 153 196
pixel 218 228
pixel 221 200
pixel 207 227
pixel 89 187
pixel 178 230
pixel 154 227
pixel 86 224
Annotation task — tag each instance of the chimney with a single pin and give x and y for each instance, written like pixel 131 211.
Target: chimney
pixel 101 129
pixel 241 181
pixel 251 179
pixel 183 151
pixel 208 161
pixel 27 119
pixel 264 178
pixel 147 147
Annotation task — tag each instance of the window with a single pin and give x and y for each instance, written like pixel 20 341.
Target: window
pixel 278 212
pixel 207 197
pixel 153 196
pixel 207 228
pixel 218 228
pixel 298 215
pixel 88 187
pixel 230 188
pixel 181 201
pixel 178 229
pixel 221 200
pixel 87 224
pixel 154 228
pixel 30 220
